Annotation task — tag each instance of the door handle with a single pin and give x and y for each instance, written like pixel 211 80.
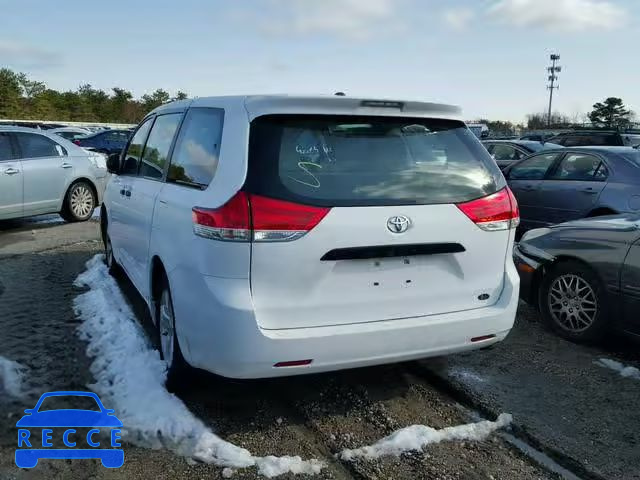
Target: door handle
pixel 529 187
pixel 588 190
pixel 66 165
pixel 11 171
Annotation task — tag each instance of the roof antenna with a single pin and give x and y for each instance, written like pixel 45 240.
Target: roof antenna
pixel 340 94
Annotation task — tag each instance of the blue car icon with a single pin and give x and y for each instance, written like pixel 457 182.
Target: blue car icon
pixel 68 419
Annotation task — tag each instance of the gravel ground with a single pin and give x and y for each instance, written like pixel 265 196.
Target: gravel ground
pixel 583 414
pixel 311 416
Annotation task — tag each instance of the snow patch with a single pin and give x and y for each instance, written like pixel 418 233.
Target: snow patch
pixel 130 377
pixel 463 374
pixel 415 437
pixel 622 369
pixel 12 375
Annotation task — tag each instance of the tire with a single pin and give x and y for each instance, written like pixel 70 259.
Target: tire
pixel 79 203
pixel 168 344
pixel 574 303
pixel 112 264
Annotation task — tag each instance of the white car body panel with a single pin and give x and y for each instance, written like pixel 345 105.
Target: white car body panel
pixel 292 288
pixel 242 307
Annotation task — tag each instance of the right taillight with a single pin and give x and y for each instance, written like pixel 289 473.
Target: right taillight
pixel 498 211
pixel 248 217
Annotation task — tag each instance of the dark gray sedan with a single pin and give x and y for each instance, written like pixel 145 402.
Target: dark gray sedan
pixel 584 276
pixel 555 186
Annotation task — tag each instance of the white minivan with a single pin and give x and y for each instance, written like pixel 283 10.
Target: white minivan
pixel 282 235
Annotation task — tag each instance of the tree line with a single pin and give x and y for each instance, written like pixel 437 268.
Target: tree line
pixel 610 113
pixel 26 99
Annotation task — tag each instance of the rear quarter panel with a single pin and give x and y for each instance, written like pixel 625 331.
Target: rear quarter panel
pixel 622 191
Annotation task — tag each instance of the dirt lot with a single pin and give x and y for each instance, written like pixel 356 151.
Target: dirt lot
pixel 585 416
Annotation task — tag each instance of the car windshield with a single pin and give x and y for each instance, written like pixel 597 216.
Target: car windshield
pixel 349 161
pixel 75 402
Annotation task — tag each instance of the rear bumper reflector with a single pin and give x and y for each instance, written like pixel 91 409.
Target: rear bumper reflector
pixel 293 363
pixel 482 338
pixel 385 251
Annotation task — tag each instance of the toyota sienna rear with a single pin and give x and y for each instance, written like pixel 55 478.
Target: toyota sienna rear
pixel 295 235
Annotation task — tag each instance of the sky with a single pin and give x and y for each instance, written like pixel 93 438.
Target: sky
pixel 487 56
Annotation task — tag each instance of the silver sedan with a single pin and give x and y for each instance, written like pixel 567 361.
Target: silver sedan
pixel 44 173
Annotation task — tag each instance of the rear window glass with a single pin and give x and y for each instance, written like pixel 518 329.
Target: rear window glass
pixel 357 161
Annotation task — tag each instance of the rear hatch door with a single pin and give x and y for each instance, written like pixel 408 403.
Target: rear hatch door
pixel 378 210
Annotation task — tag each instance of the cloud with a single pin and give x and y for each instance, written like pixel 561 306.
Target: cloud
pixel 352 19
pixel 575 15
pixel 26 56
pixel 458 18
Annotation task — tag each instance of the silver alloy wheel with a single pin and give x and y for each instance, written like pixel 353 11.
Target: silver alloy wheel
pixel 166 327
pixel 572 303
pixel 81 201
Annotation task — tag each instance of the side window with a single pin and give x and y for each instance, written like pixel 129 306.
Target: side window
pixel 575 141
pixel 577 166
pixel 534 168
pixel 195 157
pixel 134 149
pixel 33 145
pixel 505 152
pixel 489 147
pixel 602 173
pixel 156 152
pixel 6 150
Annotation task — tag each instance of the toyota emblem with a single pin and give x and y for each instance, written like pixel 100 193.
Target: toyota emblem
pixel 398 224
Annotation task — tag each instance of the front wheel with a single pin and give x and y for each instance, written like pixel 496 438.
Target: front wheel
pixel 168 340
pixel 79 203
pixel 574 303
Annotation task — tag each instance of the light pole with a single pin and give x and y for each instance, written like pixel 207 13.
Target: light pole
pixel 553 69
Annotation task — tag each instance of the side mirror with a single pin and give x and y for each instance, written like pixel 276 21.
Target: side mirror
pixel 113 163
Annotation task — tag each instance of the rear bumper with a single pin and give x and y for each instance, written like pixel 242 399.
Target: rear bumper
pixel 217 332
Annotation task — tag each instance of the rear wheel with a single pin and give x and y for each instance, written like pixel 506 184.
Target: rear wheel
pixel 574 303
pixel 168 340
pixel 79 203
pixel 110 260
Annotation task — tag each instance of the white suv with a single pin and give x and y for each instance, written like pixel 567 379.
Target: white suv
pixel 278 235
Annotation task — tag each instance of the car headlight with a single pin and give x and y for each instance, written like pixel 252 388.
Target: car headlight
pixel 535 233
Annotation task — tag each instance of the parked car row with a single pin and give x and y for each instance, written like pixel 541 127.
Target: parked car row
pixel 579 258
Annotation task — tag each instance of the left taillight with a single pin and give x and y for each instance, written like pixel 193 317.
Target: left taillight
pixel 230 222
pixel 495 212
pixel 248 217
pixel 77 142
